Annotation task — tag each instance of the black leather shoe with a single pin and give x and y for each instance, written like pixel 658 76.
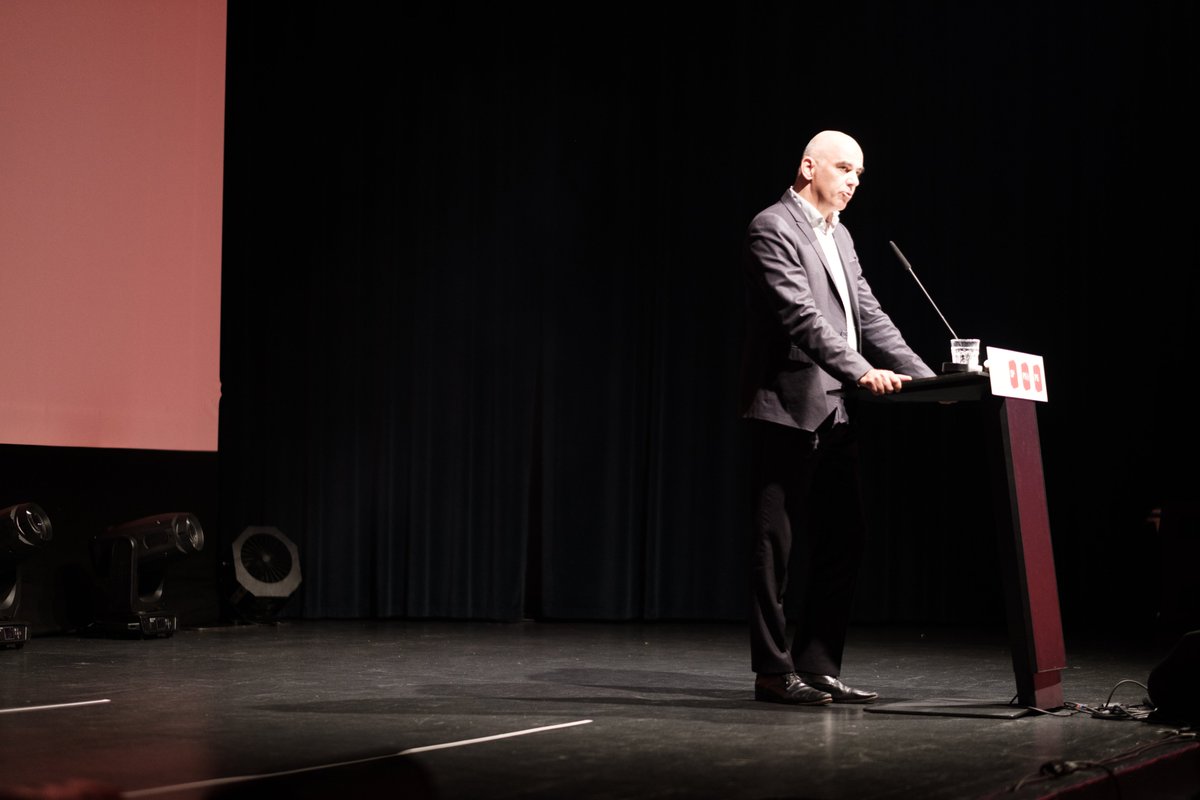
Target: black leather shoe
pixel 840 692
pixel 788 688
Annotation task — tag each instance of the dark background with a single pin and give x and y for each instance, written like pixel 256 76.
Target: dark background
pixel 481 310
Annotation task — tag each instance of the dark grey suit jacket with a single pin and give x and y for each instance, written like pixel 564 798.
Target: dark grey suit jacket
pixel 795 349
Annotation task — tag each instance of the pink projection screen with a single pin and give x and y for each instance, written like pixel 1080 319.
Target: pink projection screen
pixel 112 118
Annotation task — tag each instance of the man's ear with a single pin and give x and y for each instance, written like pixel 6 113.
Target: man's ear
pixel 805 170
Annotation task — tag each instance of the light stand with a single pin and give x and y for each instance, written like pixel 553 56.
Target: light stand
pixel 132 559
pixel 24 529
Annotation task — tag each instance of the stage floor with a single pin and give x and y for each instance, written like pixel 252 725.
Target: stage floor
pixel 444 709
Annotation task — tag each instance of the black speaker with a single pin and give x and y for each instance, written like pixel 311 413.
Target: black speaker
pixel 266 572
pixel 1179 594
pixel 1174 684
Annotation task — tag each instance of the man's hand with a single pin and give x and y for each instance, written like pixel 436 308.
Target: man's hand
pixel 882 381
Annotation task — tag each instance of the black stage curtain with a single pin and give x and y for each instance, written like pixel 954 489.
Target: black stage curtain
pixel 481 311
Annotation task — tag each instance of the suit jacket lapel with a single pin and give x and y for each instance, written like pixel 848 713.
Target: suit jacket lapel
pixel 802 224
pixel 839 237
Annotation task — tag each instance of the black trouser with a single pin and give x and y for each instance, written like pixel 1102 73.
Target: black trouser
pixel 808 537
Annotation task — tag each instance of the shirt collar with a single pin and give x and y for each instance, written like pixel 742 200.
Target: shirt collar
pixel 813 216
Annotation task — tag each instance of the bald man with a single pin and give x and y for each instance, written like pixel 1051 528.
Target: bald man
pixel 813 325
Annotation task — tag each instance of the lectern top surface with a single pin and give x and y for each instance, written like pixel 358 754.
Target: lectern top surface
pixel 939 388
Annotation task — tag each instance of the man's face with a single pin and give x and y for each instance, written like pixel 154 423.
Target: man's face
pixel 834 173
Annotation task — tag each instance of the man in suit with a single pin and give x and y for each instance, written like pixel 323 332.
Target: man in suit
pixel 813 325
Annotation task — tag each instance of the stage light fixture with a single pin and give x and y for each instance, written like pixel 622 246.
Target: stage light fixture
pixel 131 560
pixel 24 530
pixel 266 567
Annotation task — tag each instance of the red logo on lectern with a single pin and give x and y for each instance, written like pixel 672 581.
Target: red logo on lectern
pixel 1019 376
pixel 1026 374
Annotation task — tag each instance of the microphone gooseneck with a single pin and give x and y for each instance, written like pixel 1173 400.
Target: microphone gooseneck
pixel 912 272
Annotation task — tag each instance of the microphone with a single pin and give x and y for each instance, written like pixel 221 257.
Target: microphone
pixel 908 267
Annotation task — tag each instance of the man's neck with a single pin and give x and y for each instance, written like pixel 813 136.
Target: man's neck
pixel 830 216
pixel 806 192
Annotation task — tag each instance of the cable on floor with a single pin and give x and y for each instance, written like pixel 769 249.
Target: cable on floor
pixel 1058 768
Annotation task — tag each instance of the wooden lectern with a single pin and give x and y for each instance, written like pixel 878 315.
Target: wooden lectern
pixel 1023 525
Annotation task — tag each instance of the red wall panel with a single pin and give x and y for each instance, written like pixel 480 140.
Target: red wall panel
pixel 111 149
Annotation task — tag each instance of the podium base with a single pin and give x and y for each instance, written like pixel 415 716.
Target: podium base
pixel 951 707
